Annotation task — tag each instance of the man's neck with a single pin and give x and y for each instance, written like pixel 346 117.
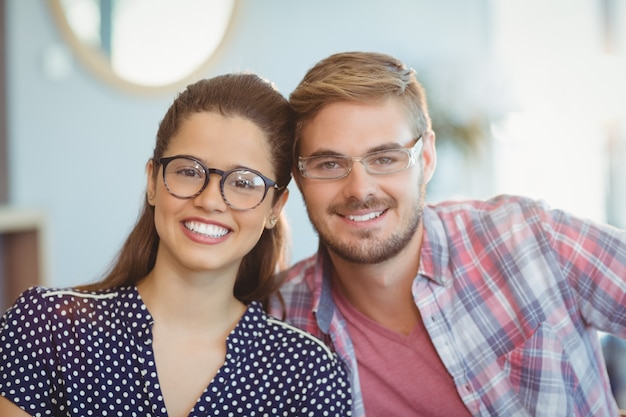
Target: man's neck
pixel 382 291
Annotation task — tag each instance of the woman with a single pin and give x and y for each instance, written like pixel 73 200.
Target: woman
pixel 175 328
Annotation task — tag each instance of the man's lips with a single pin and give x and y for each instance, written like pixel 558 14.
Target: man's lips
pixel 205 229
pixel 362 211
pixel 364 217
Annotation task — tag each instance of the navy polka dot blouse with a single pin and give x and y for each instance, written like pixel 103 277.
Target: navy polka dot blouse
pixel 69 353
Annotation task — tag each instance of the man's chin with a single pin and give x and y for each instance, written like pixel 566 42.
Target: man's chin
pixel 372 253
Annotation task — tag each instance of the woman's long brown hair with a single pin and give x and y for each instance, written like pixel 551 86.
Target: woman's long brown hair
pixel 255 99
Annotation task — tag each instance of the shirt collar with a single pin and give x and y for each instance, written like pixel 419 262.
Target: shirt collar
pixel 323 304
pixel 435 253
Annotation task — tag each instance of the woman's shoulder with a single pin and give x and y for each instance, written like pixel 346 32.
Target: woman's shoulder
pixel 50 301
pixel 291 335
pixel 69 294
pixel 286 337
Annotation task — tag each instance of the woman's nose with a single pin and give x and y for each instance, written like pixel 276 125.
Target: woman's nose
pixel 211 197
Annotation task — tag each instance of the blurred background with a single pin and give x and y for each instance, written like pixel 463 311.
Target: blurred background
pixel 527 97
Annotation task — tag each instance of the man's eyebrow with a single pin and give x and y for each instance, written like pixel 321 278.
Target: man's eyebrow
pixel 382 147
pixel 326 152
pixel 385 147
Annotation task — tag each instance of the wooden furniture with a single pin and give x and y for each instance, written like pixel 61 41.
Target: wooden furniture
pixel 22 252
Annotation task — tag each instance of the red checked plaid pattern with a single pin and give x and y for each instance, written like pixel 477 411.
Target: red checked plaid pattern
pixel 512 294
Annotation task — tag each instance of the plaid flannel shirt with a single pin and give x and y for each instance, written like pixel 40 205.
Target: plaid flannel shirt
pixel 511 293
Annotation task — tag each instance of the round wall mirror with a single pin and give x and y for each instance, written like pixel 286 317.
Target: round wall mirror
pixel 145 45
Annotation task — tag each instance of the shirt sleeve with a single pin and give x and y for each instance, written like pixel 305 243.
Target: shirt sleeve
pixel 25 354
pixel 592 257
pixel 330 394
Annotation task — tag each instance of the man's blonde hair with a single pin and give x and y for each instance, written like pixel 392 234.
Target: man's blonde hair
pixel 359 77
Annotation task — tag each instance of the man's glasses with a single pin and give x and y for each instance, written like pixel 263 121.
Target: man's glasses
pixel 242 189
pixel 332 167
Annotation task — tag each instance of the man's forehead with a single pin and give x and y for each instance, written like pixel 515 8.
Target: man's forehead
pixel 355 128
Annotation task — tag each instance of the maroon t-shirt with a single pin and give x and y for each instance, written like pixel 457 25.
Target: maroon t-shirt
pixel 399 375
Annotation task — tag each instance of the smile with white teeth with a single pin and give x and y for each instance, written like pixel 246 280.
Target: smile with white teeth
pixel 210 230
pixel 364 217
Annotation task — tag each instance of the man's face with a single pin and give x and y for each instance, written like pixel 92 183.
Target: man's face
pixel 365 218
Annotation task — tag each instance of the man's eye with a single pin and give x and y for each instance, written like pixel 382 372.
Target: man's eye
pixel 384 160
pixel 328 164
pixel 387 159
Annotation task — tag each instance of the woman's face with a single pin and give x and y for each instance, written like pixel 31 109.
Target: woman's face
pixel 203 233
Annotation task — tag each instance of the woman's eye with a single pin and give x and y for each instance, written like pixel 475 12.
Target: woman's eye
pixel 243 183
pixel 189 172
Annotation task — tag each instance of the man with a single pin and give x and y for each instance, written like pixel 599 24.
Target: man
pixel 466 308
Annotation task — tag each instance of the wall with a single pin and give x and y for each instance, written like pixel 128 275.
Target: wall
pixel 77 147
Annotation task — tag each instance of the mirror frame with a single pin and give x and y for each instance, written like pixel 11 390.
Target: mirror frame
pixel 96 62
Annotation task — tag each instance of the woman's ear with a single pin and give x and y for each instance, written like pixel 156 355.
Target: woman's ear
pixel 271 220
pixel 151 187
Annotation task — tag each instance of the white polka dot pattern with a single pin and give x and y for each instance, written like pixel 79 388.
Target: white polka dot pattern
pixel 65 353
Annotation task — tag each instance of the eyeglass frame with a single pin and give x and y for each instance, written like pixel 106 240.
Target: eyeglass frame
pixel 410 151
pixel 164 161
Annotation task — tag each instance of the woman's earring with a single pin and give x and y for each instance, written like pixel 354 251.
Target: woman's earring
pixel 272 222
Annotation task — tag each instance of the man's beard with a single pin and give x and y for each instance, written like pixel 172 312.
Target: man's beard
pixel 368 250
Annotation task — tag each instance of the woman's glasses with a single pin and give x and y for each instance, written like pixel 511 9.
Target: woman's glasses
pixel 242 189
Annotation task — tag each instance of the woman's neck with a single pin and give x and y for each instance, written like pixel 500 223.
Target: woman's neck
pixel 193 300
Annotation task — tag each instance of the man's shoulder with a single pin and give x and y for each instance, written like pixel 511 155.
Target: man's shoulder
pixel 300 272
pixel 502 207
pixel 498 202
pixel 449 221
pixel 300 287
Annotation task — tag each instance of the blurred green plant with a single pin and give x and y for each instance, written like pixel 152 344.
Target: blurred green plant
pixel 467 134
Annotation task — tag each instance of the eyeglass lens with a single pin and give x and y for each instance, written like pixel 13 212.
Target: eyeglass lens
pixel 383 162
pixel 336 166
pixel 241 189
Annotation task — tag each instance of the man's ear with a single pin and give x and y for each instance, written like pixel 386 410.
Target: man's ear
pixel 429 156
pixel 270 222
